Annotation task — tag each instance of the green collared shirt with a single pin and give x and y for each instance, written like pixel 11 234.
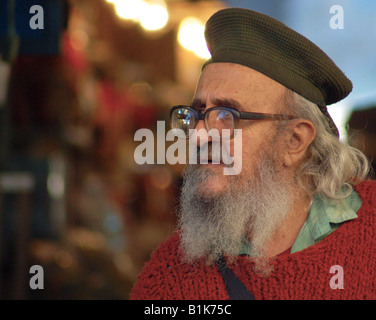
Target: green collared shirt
pixel 325 216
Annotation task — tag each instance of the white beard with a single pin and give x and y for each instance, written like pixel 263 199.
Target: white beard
pixel 218 225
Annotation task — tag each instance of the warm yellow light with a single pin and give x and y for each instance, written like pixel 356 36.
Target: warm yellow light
pixel 129 9
pixel 154 16
pixel 191 37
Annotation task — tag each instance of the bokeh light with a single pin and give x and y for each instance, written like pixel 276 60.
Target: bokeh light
pixel 154 16
pixel 129 9
pixel 151 15
pixel 191 37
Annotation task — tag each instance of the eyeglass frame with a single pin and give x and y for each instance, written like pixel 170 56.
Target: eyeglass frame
pixel 237 115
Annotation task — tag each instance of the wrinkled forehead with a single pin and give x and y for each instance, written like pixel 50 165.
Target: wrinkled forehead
pixel 230 81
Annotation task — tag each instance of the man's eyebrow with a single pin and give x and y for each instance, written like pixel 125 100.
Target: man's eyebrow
pixel 227 102
pixel 197 104
pixel 217 102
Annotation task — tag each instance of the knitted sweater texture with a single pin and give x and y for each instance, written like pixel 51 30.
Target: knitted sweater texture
pixel 302 275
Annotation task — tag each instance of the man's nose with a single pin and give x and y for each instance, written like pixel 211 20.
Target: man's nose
pixel 200 125
pixel 201 135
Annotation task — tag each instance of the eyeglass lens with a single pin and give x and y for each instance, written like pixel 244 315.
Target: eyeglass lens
pixel 184 118
pixel 219 119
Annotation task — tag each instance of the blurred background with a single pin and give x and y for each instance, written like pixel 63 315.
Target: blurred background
pixel 72 95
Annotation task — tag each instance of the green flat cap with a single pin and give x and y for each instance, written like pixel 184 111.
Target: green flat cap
pixel 265 44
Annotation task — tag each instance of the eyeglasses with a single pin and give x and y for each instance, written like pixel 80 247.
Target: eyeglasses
pixel 186 118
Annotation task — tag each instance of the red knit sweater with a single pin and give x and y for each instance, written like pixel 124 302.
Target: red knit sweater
pixel 301 275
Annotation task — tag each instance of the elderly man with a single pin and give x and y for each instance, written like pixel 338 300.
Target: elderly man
pixel 298 221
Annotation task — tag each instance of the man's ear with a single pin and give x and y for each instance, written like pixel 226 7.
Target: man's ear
pixel 301 134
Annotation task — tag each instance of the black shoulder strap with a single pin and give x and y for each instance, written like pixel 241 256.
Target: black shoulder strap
pixel 235 288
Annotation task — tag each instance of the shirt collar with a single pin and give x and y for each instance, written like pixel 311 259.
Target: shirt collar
pixel 325 212
pixel 325 216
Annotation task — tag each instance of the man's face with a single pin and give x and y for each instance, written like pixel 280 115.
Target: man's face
pixel 218 212
pixel 233 85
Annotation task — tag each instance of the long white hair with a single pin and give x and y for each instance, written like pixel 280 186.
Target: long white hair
pixel 333 167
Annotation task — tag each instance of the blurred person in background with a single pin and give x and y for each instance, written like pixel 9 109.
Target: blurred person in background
pixel 298 222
